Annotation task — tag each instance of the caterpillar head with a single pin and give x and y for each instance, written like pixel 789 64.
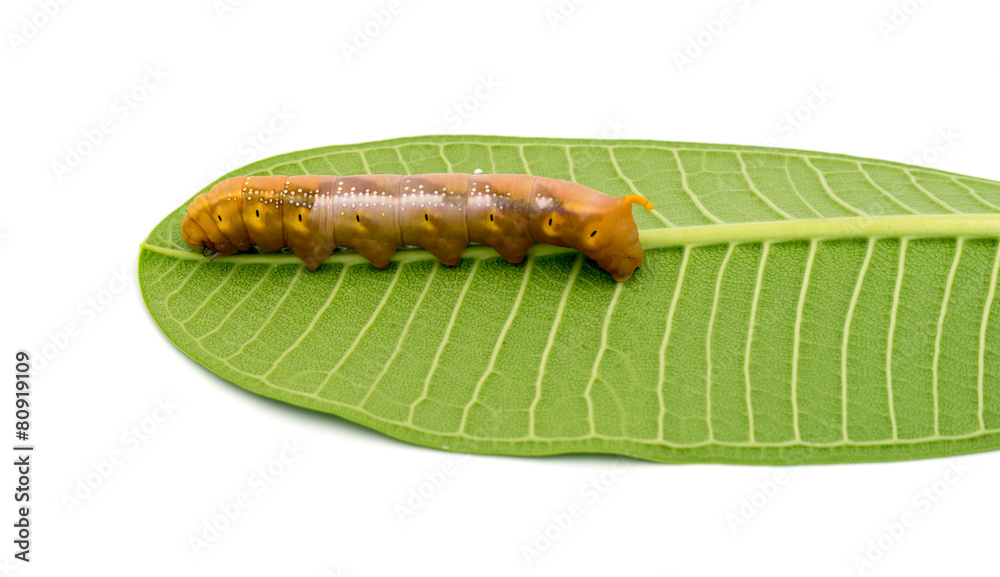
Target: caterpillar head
pixel 194 236
pixel 212 222
pixel 612 238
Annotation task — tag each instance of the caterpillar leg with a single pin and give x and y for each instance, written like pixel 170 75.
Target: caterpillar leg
pixel 513 253
pixel 448 254
pixel 311 263
pixel 376 253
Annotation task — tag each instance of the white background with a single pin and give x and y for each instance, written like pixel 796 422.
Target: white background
pixel 606 69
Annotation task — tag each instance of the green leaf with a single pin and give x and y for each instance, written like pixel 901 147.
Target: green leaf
pixel 793 307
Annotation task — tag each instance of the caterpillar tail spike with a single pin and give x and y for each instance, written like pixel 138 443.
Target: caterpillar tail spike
pixel 636 199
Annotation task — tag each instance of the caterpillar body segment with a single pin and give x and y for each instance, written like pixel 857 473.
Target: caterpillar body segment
pixel 375 214
pixel 365 215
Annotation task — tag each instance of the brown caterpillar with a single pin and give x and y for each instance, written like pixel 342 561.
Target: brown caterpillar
pixel 375 214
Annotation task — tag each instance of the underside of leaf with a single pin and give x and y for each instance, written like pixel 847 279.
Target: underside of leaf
pixel 793 307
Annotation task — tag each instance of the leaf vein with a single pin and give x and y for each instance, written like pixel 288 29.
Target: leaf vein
pixel 845 339
pixel 661 381
pixel 757 289
pixel 444 340
pixel 797 338
pixel 939 330
pixel 570 282
pixel 600 356
pixel 500 339
pixel 716 292
pixel 403 333
pixel 361 333
pixel 981 373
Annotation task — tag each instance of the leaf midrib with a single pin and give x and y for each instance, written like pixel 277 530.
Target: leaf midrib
pixel 896 226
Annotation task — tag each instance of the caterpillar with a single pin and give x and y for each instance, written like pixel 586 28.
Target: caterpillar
pixel 442 213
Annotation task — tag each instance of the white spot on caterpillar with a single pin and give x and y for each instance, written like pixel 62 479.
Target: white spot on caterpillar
pixel 477 171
